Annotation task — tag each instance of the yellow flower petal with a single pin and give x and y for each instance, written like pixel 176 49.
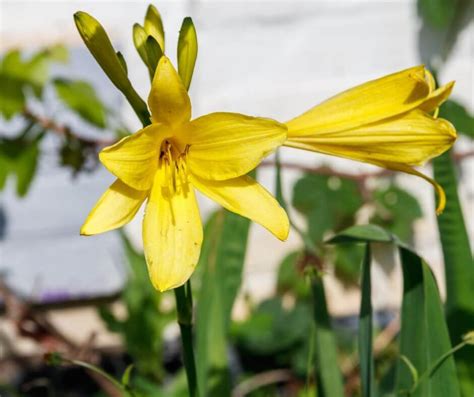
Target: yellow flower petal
pixel 168 99
pixel 375 100
pixel 228 145
pixel 117 206
pixel 439 190
pixel 246 197
pixel 437 97
pixel 172 233
pixel 411 139
pixel 134 158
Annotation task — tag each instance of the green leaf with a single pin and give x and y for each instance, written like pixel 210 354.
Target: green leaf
pixel 328 203
pixel 459 269
pixel 19 157
pixel 328 373
pixel 290 278
pixel 222 259
pixel 58 53
pixel 99 45
pixel 25 168
pixel 12 98
pixel 423 335
pixel 274 330
pixel 366 358
pixel 4 169
pixel 362 234
pixel 17 75
pixel 347 259
pixel 459 116
pixel 81 97
pixel 438 13
pixel 126 375
pixel 396 211
pixel 187 51
pixel 154 26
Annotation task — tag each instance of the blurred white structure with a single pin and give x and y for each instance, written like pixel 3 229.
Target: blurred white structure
pixel 274 59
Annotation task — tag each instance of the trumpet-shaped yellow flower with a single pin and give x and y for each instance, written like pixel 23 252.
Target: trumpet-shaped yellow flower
pixel 165 162
pixel 389 122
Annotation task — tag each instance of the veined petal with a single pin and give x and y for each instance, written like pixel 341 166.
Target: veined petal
pixel 411 139
pixel 373 101
pixel 168 99
pixel 246 197
pixel 172 233
pixel 117 206
pixel 228 145
pixel 134 158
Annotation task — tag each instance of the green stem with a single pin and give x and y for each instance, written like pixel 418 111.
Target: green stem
pixel 184 306
pixel 138 106
pixel 98 371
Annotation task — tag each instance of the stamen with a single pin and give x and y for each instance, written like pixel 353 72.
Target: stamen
pixel 175 168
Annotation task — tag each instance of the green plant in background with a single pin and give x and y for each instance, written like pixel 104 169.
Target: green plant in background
pixel 442 22
pixel 145 320
pixel 26 82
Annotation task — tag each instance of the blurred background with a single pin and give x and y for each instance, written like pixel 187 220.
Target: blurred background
pixel 271 59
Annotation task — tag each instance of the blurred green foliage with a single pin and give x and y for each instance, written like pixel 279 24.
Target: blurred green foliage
pixel 145 319
pixel 80 97
pixel 25 81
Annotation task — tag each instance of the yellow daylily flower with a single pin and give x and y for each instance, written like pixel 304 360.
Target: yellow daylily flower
pixel 165 162
pixel 390 122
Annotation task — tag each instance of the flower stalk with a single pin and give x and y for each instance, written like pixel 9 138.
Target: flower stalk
pixel 184 307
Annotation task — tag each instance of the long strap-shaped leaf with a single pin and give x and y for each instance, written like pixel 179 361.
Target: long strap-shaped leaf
pixel 424 335
pixel 365 329
pixel 328 374
pixel 459 269
pixel 222 259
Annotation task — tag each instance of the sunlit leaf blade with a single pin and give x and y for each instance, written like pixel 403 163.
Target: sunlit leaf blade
pixel 362 233
pixel 81 97
pixel 126 375
pixel 328 375
pixel 99 45
pixel 187 51
pixel 424 335
pixel 221 262
pixel 459 269
pixel 365 329
pixel 154 26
